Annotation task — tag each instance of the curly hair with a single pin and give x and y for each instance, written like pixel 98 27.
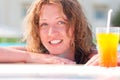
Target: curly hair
pixel 73 11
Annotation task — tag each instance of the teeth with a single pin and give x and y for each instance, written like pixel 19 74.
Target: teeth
pixel 55 41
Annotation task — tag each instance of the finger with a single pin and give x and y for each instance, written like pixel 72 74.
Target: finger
pixel 118 60
pixel 93 60
pixel 55 60
pixel 70 62
pixel 60 60
pixel 94 63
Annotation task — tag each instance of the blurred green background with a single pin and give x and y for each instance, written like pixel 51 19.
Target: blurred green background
pixel 12 13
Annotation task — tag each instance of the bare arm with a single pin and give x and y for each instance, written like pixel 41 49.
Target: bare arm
pixel 19 54
pixel 18 48
pixel 12 55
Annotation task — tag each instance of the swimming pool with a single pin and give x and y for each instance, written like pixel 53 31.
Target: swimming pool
pixel 11 44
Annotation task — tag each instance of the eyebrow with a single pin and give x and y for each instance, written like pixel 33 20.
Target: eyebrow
pixel 55 18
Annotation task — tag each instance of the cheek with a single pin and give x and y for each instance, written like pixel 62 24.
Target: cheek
pixel 71 33
pixel 42 35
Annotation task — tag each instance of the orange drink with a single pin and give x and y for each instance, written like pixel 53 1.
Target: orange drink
pixel 107 47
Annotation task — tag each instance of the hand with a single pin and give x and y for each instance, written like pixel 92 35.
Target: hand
pixel 47 59
pixel 94 61
pixel 118 59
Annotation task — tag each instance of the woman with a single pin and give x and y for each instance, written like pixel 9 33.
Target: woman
pixel 58 29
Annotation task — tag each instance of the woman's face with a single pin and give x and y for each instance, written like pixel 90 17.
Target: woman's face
pixel 52 30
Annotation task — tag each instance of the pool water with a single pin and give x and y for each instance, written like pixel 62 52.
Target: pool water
pixel 12 44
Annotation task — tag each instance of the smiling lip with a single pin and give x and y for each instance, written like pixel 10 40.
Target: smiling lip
pixel 55 42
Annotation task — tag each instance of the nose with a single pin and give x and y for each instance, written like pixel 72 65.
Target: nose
pixel 52 31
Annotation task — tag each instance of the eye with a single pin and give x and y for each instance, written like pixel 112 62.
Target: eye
pixel 61 22
pixel 43 25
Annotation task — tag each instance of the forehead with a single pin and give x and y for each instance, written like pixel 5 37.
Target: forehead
pixel 51 10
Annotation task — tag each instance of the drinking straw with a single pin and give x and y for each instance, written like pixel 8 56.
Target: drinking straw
pixel 108 20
